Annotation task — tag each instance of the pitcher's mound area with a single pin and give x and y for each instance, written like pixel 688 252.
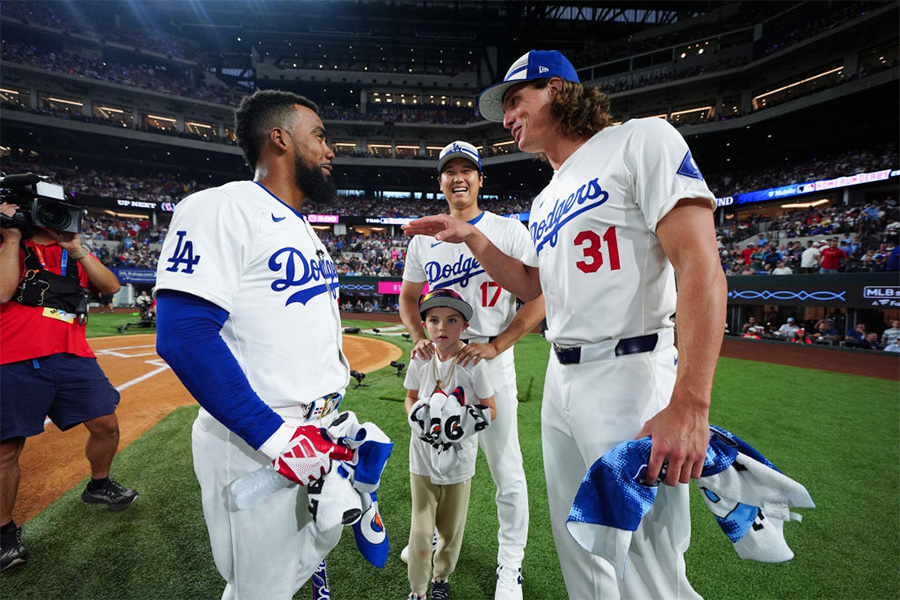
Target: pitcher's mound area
pixel 54 461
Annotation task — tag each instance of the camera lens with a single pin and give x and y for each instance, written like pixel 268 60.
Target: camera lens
pixel 53 216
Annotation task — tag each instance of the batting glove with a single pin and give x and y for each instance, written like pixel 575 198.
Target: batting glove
pixel 419 419
pixel 461 421
pixel 435 425
pixel 308 455
pixel 476 418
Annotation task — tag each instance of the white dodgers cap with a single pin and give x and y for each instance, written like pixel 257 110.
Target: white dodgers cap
pixel 535 64
pixel 459 149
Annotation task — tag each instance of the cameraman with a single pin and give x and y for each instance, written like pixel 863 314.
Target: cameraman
pixel 48 369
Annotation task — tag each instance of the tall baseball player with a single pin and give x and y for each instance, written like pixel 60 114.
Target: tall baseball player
pixel 626 212
pixel 494 328
pixel 248 319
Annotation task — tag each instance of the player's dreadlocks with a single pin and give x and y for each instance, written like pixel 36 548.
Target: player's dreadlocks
pixel 259 113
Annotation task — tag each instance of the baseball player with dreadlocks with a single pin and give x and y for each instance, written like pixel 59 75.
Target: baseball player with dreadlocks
pixel 625 214
pixel 248 319
pixel 493 329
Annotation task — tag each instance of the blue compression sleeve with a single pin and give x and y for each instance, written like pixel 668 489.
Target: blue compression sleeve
pixel 188 338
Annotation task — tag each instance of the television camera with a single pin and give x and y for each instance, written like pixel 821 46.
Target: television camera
pixel 41 204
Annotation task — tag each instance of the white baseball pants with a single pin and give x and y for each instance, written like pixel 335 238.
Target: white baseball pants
pixel 269 551
pixel 588 408
pixel 500 443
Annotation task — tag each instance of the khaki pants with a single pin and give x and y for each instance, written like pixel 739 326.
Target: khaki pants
pixel 441 508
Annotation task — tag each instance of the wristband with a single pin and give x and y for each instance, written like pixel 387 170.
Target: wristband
pixel 80 254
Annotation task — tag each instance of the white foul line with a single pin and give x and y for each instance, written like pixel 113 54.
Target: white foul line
pixel 159 363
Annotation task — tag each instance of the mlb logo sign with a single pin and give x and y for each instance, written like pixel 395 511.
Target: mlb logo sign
pixel 881 291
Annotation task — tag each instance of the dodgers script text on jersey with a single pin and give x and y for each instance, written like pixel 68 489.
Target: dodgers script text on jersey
pixel 590 229
pixel 453 266
pixel 244 250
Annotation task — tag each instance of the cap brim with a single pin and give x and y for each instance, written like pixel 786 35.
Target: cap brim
pixel 490 103
pixel 459 306
pixel 453 155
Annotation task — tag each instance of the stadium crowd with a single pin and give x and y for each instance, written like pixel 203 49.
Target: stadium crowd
pixel 866 236
pixel 190 80
pixel 830 330
pixel 866 232
pixel 45 15
pixel 850 162
pixel 780 33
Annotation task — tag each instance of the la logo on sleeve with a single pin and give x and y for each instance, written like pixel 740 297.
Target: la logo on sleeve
pixel 183 258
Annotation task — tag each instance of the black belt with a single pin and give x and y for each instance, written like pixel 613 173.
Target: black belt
pixel 490 339
pixel 635 345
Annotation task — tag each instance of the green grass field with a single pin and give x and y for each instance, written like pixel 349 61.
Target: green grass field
pixel 836 434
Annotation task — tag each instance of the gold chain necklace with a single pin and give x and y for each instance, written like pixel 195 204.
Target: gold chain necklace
pixel 438 378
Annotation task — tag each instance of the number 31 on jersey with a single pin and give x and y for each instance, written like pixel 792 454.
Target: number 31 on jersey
pixel 593 245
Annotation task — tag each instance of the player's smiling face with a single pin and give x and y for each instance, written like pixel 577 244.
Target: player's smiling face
pixel 526 113
pixel 461 183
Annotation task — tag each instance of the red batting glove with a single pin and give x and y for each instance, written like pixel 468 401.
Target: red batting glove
pixel 308 455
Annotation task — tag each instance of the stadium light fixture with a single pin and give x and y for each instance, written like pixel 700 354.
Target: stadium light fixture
pixel 63 101
pixel 796 83
pixel 806 204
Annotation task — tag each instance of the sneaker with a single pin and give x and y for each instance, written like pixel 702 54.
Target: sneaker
pixel 320 587
pixel 440 590
pixel 509 583
pixel 12 552
pixel 414 596
pixel 112 494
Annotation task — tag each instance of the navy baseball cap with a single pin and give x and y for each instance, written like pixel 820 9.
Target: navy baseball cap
pixel 459 149
pixel 535 64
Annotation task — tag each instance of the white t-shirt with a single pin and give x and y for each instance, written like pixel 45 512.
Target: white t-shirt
pixel 603 271
pixel 241 248
pixel 476 384
pixel 445 265
pixel 810 258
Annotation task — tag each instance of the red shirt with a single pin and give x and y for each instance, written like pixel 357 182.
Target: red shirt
pixel 746 253
pixel 830 258
pixel 28 332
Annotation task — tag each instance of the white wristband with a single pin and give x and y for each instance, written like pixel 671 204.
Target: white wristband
pixel 273 446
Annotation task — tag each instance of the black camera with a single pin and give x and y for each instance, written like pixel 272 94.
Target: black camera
pixel 41 204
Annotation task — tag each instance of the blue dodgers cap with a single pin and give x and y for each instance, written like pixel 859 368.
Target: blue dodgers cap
pixel 459 149
pixel 535 64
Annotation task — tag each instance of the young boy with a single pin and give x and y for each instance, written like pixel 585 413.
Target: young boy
pixel 447 404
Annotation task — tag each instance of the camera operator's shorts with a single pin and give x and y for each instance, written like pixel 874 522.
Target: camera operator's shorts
pixel 67 388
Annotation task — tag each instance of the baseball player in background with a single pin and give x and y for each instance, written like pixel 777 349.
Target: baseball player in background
pixel 248 319
pixel 625 214
pixel 494 328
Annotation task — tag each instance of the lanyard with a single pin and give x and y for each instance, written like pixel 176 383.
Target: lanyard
pixel 63 261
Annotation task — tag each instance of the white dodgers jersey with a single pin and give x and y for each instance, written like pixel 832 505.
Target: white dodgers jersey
pixel 604 274
pixel 445 265
pixel 241 248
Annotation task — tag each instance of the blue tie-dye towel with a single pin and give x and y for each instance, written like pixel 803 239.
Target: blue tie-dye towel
pixel 748 496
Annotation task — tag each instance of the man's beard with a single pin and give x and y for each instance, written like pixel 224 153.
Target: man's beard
pixel 312 181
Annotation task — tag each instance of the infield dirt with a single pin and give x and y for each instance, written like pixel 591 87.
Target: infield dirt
pixel 53 462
